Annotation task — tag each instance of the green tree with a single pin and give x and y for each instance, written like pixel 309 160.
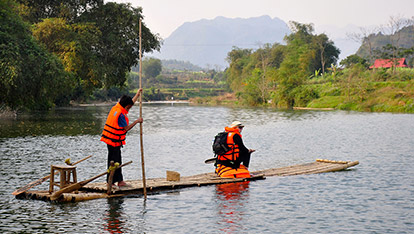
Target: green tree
pixel 352 60
pixel 238 60
pixel 277 54
pixel 252 74
pixel 300 32
pixel 354 84
pixel 408 54
pixel 263 65
pixel 93 44
pixel 115 27
pixel 30 76
pixel 252 94
pixel 292 73
pixel 279 71
pixel 297 65
pixel 151 67
pixel 326 52
pixel 34 11
pixel 118 45
pixel 75 45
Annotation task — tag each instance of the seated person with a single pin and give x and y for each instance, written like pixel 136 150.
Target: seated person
pixel 234 163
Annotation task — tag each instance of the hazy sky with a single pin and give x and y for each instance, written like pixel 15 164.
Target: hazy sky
pixel 164 16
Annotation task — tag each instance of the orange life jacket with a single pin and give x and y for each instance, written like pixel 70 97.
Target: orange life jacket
pixel 113 134
pixel 229 172
pixel 233 153
pixel 230 158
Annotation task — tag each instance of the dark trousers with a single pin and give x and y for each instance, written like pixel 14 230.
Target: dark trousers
pixel 245 158
pixel 114 154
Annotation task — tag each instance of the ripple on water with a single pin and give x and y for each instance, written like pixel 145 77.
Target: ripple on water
pixel 376 196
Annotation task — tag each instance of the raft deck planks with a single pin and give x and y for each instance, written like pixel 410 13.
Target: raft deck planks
pixel 320 166
pixel 161 184
pixel 98 190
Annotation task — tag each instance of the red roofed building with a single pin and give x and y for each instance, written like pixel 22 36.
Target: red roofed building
pixel 388 63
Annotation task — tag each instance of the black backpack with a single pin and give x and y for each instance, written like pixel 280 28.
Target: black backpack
pixel 220 145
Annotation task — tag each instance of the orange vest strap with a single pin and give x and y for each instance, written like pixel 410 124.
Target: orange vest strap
pixel 112 133
pixel 118 129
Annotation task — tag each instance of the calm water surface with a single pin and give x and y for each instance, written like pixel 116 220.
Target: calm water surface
pixel 376 196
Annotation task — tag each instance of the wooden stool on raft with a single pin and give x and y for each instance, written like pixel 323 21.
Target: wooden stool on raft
pixel 65 172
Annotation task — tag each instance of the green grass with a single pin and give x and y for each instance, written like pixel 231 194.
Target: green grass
pixel 387 96
pixel 327 102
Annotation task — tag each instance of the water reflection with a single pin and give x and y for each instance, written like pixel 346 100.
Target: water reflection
pixel 231 201
pixel 113 218
pixel 62 122
pixel 89 120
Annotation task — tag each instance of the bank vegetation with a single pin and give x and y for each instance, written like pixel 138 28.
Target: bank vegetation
pixel 55 52
pixel 303 73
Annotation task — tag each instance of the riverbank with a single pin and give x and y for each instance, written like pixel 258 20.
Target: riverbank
pixel 389 96
pixel 113 103
pixel 385 96
pixel 227 99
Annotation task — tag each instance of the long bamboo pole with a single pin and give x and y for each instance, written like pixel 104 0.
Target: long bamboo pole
pixel 140 112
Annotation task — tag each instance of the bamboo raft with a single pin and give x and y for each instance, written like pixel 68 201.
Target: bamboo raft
pixel 157 185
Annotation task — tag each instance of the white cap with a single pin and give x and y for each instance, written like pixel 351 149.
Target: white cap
pixel 236 124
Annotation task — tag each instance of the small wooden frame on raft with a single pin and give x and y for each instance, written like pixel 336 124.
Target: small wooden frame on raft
pixel 65 173
pixel 99 190
pixel 41 180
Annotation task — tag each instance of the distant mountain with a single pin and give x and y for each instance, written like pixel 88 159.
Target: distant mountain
pixel 206 42
pixel 406 40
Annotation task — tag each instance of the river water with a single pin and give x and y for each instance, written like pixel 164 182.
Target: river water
pixel 377 196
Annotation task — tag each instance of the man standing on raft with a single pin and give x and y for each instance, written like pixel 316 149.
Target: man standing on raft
pixel 116 127
pixel 229 165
